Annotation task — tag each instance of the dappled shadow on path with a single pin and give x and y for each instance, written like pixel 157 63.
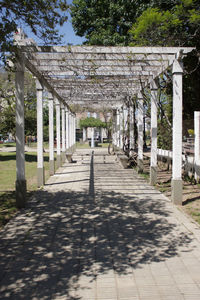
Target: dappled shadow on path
pixel 62 236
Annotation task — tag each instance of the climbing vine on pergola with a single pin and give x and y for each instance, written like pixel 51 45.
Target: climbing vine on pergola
pixel 109 77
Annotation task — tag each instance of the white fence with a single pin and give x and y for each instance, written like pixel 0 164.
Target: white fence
pixel 189 166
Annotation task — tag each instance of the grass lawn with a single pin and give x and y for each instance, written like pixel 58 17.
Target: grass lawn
pixel 7 145
pixel 8 178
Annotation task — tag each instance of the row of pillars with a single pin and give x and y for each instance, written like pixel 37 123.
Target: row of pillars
pixel 65 133
pixel 120 126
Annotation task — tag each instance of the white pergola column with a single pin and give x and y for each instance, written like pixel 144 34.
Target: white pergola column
pixel 20 183
pixel 114 135
pixel 125 113
pixel 121 128
pixel 131 126
pixel 102 134
pixel 40 147
pixel 177 71
pixel 197 144
pixel 67 128
pixel 74 132
pixel 51 135
pixel 140 133
pixel 70 130
pixel 92 137
pixel 58 133
pixel 125 123
pixel 153 165
pixel 63 133
pixel 118 128
pixel 84 134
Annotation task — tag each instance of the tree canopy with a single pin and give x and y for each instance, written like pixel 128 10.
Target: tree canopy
pixel 7 104
pixel 92 122
pixel 179 26
pixel 105 22
pixel 41 16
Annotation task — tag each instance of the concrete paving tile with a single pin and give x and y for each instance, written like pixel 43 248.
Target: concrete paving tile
pixel 144 281
pixel 164 280
pixel 85 293
pixel 129 298
pixel 127 292
pixel 183 278
pixel 126 282
pixel 108 293
pixel 189 289
pixel 172 297
pixel 76 238
pixel 191 297
pixel 167 290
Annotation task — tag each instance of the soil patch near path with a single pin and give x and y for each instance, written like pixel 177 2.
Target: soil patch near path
pixel 191 190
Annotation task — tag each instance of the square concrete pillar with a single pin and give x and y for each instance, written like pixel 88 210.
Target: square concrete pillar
pixel 177 133
pixel 40 147
pixel 121 128
pixel 140 133
pixel 131 122
pixel 84 134
pixel 58 158
pixel 51 136
pixel 20 184
pixel 67 128
pixel 177 187
pixel 118 128
pixel 153 164
pixel 63 134
pixel 92 138
pixel 197 144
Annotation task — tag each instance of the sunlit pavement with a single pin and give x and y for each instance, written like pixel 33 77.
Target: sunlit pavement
pixel 97 231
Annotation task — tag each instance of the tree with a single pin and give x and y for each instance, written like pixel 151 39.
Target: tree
pixel 41 16
pixel 179 26
pixel 105 22
pixel 92 122
pixel 7 104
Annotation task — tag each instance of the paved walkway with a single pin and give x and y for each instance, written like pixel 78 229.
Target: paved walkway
pixel 97 231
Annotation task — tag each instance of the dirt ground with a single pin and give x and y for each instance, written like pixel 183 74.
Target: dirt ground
pixel 191 190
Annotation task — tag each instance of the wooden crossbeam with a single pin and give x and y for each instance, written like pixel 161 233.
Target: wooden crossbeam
pixel 97 74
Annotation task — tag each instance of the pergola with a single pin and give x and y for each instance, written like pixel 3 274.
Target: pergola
pixel 96 77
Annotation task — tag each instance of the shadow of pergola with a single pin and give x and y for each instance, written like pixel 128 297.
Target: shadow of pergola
pixel 61 236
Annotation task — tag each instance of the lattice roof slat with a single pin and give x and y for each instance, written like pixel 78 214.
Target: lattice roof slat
pixel 90 74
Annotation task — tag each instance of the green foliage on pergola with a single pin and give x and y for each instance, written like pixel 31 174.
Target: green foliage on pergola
pixel 92 122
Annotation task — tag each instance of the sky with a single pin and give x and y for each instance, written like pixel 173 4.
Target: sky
pixel 66 30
